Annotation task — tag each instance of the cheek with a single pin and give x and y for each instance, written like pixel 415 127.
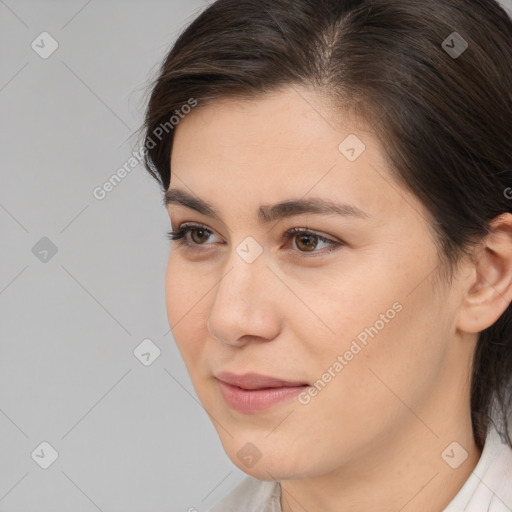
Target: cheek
pixel 393 351
pixel 334 308
pixel 187 305
pixel 378 334
pixel 362 398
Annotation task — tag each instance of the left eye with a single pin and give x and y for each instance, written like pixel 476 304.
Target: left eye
pixel 305 240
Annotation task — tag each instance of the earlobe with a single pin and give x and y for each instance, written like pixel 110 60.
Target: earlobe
pixel 489 290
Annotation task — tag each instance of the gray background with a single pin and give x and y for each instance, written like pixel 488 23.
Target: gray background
pixel 129 437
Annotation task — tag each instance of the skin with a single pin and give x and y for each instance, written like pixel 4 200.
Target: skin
pixel 372 438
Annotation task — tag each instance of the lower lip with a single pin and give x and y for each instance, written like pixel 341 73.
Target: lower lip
pixel 244 400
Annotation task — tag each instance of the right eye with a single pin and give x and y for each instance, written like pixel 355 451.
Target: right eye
pixel 202 232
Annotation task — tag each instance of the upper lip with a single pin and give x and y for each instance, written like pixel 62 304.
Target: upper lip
pixel 255 381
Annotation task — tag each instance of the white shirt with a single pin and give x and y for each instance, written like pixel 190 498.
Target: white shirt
pixel 488 488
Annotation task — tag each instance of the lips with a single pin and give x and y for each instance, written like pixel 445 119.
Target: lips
pixel 253 393
pixel 253 381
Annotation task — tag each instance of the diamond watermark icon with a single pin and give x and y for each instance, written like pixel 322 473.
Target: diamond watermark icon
pixel 44 250
pixel 352 147
pixel 249 249
pixel 44 45
pixel 454 45
pixel 454 455
pixel 44 455
pixel 147 352
pixel 249 455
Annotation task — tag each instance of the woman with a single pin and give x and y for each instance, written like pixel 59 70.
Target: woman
pixel 341 267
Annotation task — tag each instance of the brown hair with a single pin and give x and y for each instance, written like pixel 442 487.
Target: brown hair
pixel 441 104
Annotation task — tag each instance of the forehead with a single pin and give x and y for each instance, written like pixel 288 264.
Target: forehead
pixel 290 143
pixel 289 127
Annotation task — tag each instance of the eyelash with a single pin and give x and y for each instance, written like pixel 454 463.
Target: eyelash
pixel 184 229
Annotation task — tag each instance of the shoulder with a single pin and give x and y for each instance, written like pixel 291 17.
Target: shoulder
pixel 496 481
pixel 489 487
pixel 251 495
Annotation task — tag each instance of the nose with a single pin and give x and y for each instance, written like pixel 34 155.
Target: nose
pixel 245 307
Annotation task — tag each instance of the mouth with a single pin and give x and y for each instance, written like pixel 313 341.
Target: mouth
pixel 253 392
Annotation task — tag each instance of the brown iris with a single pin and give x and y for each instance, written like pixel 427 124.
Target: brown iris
pixel 203 235
pixel 309 244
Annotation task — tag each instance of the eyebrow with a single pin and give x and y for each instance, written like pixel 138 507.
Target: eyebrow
pixel 268 213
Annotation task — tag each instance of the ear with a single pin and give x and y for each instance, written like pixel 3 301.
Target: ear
pixel 489 289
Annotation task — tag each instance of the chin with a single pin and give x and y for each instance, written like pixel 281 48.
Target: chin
pixel 266 471
pixel 268 464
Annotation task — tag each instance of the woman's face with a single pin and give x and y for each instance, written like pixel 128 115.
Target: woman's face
pixel 356 318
